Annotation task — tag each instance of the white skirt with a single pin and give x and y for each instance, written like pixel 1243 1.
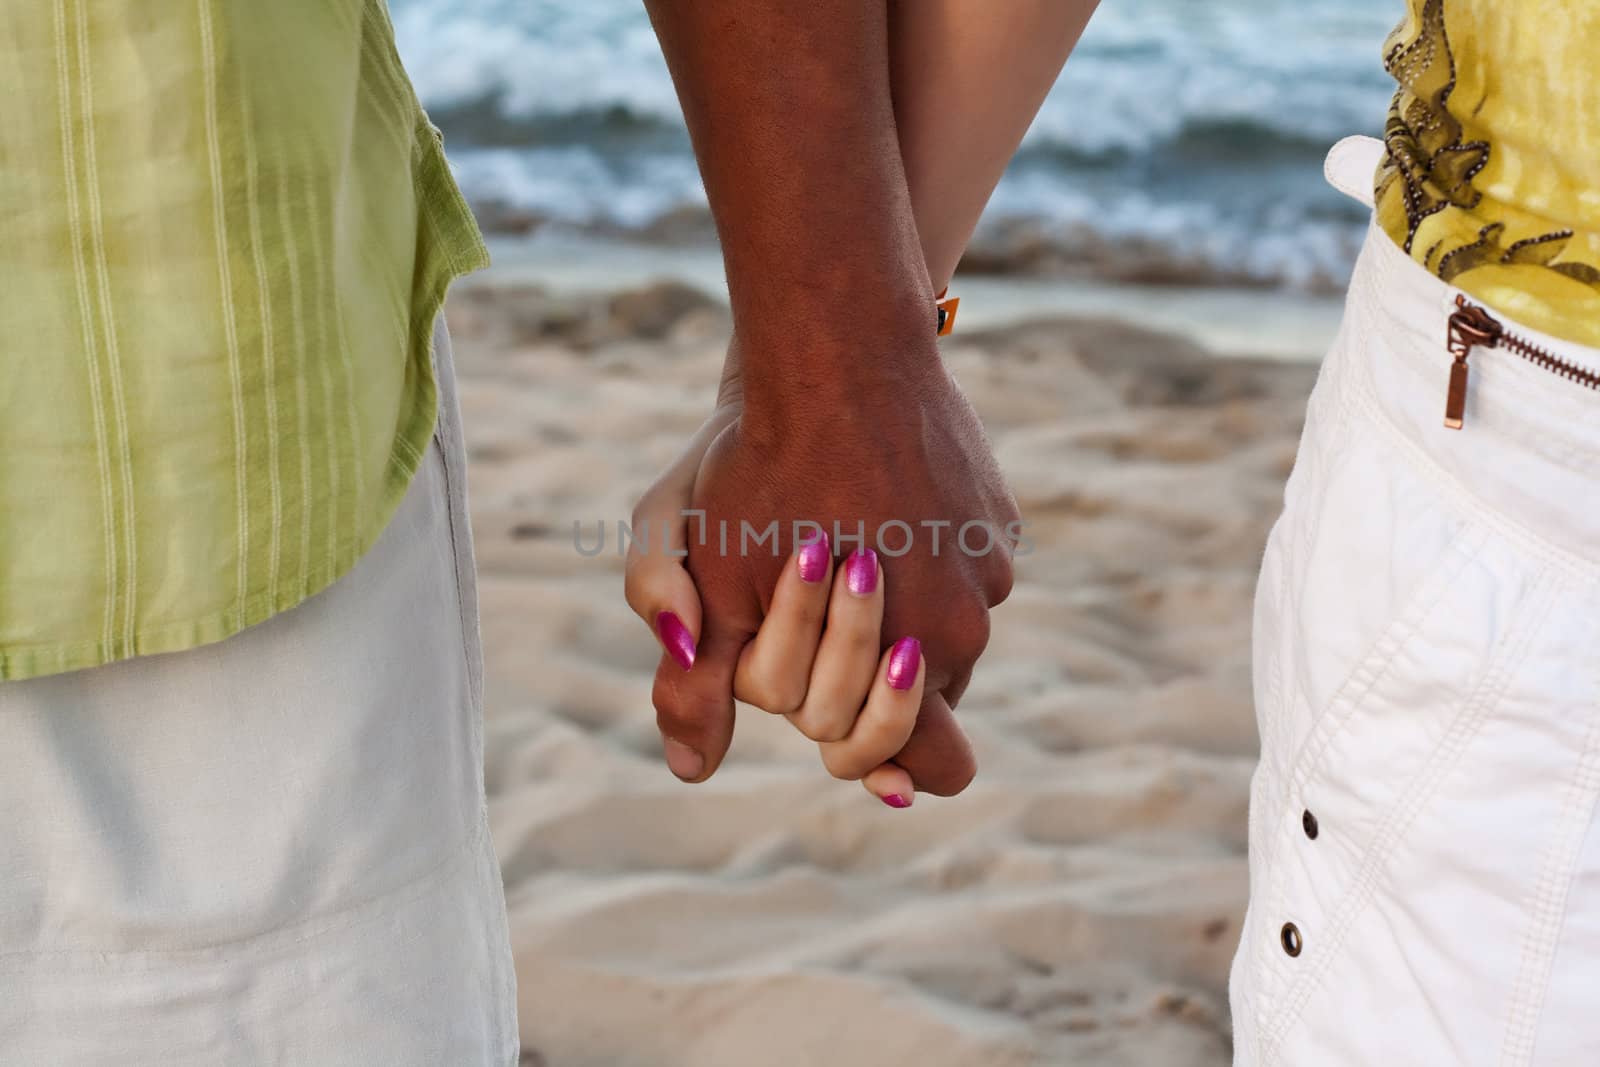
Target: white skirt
pixel 274 849
pixel 1424 847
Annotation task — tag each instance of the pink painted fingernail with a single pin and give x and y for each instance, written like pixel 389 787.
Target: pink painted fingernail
pixel 813 557
pixel 861 572
pixel 904 659
pixel 676 638
pixel 895 800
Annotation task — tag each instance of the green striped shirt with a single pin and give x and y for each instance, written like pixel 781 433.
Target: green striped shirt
pixel 226 227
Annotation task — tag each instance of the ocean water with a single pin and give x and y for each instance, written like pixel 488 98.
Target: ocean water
pixel 1190 132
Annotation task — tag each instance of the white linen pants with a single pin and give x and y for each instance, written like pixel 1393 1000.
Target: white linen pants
pixel 273 849
pixel 1424 847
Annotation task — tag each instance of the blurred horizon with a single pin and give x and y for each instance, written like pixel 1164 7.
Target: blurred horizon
pixel 1184 142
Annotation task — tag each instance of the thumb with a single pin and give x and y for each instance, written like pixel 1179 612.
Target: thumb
pixel 661 593
pixel 694 708
pixel 938 755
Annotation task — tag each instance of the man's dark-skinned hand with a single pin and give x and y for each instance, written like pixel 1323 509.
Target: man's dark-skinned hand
pixel 848 413
pixel 865 453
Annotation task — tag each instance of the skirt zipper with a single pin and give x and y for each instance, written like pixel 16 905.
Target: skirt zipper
pixel 1471 326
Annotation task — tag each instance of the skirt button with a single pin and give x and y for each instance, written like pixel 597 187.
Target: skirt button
pixel 1291 939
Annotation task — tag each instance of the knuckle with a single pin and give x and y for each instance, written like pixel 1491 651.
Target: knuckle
pixel 860 638
pixel 821 725
pixel 777 696
pixel 809 613
pixel 785 700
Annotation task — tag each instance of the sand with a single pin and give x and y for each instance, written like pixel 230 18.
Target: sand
pixel 1079 904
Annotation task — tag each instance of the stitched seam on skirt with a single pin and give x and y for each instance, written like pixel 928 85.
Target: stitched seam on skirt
pixel 1373 666
pixel 1316 453
pixel 456 564
pixel 1551 895
pixel 285 937
pixel 465 568
pixel 1320 953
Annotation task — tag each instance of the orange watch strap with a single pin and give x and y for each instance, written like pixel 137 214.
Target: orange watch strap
pixel 947 306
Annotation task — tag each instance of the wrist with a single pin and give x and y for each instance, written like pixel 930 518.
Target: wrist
pixel 820 391
pixel 859 341
pixel 829 283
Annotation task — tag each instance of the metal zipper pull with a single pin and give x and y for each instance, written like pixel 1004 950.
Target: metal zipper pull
pixel 1469 327
pixel 1455 405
